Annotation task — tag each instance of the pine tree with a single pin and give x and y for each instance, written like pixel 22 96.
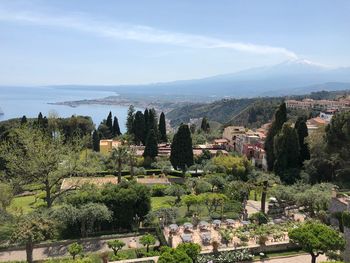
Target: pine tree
pixel 279 119
pixel 151 149
pixel 109 122
pixel 162 128
pixel 139 127
pixel 96 141
pixel 205 125
pixel 287 152
pixel 116 128
pixel 181 155
pixel 24 120
pixel 130 120
pixel 301 128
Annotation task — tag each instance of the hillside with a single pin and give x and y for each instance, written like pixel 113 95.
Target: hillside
pixel 246 112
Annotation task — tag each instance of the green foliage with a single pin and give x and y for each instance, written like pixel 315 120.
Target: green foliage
pixel 75 249
pixel 191 200
pixel 259 217
pixel 6 195
pixel 130 120
pixel 147 241
pixel 316 238
pixel 279 119
pixel 287 154
pixel 115 245
pixel 170 255
pixel 158 190
pixel 191 249
pixel 181 155
pixel 217 181
pixel 176 190
pixel 227 257
pixel 151 149
pixel 95 141
pixel 205 125
pixel 162 128
pixel 140 131
pixel 238 166
pixel 302 131
pixel 346 219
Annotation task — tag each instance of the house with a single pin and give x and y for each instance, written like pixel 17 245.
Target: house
pixel 106 146
pixel 231 133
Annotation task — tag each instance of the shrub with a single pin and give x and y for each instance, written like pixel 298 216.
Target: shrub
pixel 75 249
pixel 158 190
pixel 259 217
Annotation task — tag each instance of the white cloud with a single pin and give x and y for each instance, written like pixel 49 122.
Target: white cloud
pixel 139 33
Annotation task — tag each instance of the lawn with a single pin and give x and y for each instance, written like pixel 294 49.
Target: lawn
pixel 162 202
pixel 24 204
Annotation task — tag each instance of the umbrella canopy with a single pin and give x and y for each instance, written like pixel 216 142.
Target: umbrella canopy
pixel 217 222
pixel 230 221
pixel 188 225
pixel 186 238
pixel 173 227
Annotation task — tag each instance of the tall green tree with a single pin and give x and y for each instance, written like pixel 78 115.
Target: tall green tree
pixel 139 128
pixel 151 149
pixel 162 128
pixel 116 128
pixel 181 155
pixel 316 239
pixel 109 121
pixel 205 125
pixel 287 154
pixel 95 141
pixel 130 120
pixel 301 128
pixel 279 119
pixel 146 117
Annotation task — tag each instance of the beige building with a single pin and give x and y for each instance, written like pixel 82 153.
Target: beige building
pixel 106 146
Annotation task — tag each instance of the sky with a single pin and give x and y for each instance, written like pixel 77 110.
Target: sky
pixel 111 42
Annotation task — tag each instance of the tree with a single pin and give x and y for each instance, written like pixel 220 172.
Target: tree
pixel 6 195
pixel 216 180
pixel 132 160
pixel 190 200
pixel 152 120
pixel 301 128
pixel 213 201
pixel 24 120
pixel 263 181
pixel 147 241
pixel 95 141
pixel 118 156
pixel 287 154
pixel 316 239
pixel 279 119
pixel 139 128
pixel 32 156
pixel 151 149
pixel 191 249
pixel 205 125
pixel 115 245
pixel 181 155
pixel 130 120
pixel 146 117
pixel 109 122
pixel 75 249
pixel 32 229
pixel 162 128
pixel 116 128
pixel 176 190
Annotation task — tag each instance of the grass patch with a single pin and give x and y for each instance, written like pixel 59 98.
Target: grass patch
pixel 25 204
pixel 162 202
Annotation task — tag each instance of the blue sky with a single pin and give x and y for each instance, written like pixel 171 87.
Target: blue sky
pixel 133 41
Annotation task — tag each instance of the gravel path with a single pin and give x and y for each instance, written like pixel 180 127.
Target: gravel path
pixel 61 250
pixel 296 259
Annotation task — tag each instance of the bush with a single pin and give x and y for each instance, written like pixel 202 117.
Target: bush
pixel 158 190
pixel 226 257
pixel 259 217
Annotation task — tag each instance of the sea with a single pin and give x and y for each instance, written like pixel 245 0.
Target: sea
pixel 29 101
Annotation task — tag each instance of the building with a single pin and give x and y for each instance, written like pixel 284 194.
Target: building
pixel 106 146
pixel 231 133
pixel 306 104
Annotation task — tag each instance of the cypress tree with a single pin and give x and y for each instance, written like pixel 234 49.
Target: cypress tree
pixel 139 127
pixel 181 155
pixel 24 120
pixel 287 152
pixel 116 128
pixel 130 120
pixel 205 125
pixel 162 128
pixel 301 128
pixel 146 117
pixel 151 149
pixel 40 120
pixel 279 119
pixel 95 141
pixel 109 122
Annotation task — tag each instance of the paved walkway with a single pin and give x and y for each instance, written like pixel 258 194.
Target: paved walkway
pixel 60 250
pixel 254 206
pixel 296 259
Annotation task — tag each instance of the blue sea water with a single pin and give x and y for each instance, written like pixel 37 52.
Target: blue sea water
pixel 18 101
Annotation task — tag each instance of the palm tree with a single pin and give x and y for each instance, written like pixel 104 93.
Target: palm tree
pixel 118 156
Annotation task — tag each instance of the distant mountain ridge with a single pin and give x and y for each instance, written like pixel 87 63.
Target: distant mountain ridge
pixel 287 78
